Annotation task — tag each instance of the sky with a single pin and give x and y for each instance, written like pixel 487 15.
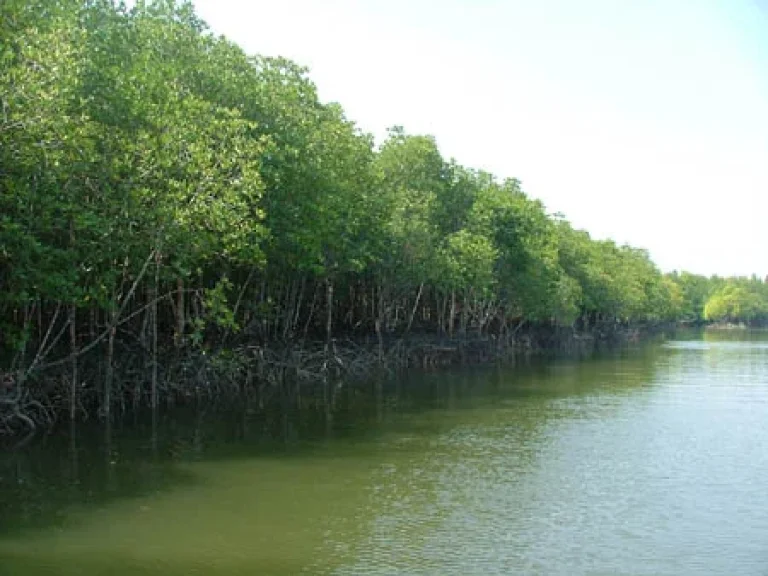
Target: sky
pixel 643 121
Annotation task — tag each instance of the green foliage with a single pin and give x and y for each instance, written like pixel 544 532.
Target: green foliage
pixel 695 292
pixel 467 262
pixel 217 307
pixel 151 169
pixel 738 300
pixel 410 177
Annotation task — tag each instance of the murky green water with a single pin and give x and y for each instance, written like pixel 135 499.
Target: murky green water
pixel 649 462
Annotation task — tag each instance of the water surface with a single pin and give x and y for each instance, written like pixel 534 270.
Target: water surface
pixel 649 462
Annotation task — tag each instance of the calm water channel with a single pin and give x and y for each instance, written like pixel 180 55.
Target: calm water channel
pixel 652 461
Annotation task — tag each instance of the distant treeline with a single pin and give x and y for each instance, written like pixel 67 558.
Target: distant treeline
pixel 163 193
pixel 723 300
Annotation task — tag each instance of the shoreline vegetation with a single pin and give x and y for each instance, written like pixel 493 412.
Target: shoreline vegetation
pixel 182 221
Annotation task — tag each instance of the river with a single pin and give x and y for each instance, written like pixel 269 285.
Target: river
pixel 650 461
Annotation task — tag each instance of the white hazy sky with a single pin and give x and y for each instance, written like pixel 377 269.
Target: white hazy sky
pixel 645 121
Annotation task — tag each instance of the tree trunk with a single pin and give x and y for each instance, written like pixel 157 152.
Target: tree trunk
pixel 290 307
pixel 297 312
pixel 109 375
pixel 311 311
pixel 92 324
pixel 73 351
pixel 180 315
pixel 379 322
pixel 464 316
pixel 153 304
pixel 329 314
pixel 415 307
pixel 73 343
pixel 329 353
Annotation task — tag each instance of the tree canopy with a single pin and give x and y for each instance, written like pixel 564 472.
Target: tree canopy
pixel 162 189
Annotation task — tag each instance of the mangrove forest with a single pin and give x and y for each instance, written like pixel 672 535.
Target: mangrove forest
pixel 182 221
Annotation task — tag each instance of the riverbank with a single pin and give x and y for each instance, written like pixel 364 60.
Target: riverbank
pixel 288 373
pixel 743 326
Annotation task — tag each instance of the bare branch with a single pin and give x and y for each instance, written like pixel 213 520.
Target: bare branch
pixel 115 321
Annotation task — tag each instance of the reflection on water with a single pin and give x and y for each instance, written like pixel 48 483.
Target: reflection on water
pixel 646 462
